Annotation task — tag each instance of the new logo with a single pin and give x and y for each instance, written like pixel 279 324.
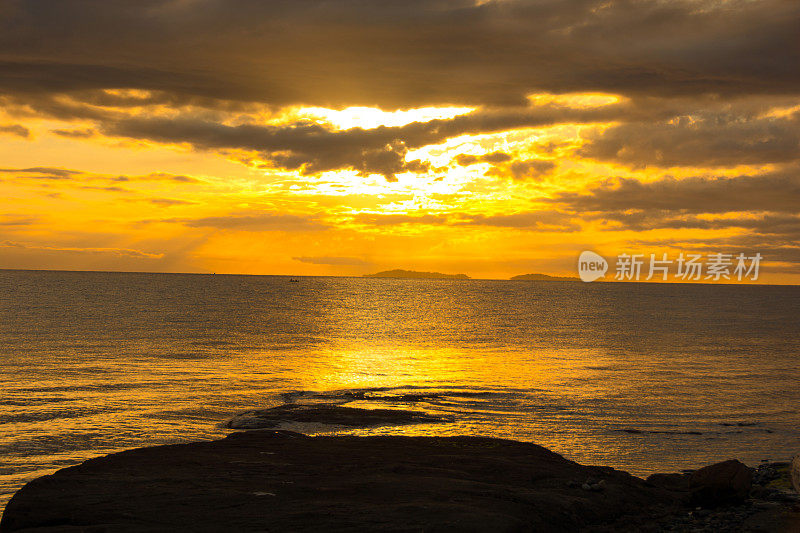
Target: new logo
pixel 591 266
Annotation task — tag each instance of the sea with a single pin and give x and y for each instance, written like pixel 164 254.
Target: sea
pixel 643 377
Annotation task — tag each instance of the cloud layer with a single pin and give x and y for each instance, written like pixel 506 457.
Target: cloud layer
pixel 203 126
pixel 356 52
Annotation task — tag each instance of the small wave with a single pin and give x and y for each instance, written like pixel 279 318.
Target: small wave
pixel 30 402
pixel 48 445
pixel 86 388
pixel 51 415
pixel 635 431
pixel 187 414
pixel 212 343
pixel 398 394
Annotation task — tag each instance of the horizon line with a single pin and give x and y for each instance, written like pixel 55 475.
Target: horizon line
pixel 366 276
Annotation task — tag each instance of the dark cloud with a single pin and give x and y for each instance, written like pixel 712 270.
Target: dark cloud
pixel 253 222
pixel 504 165
pixel 169 202
pixel 158 176
pixel 494 158
pixel 307 147
pixel 123 252
pixel 56 173
pixel 14 220
pixel 111 188
pixel 535 220
pixel 777 225
pixel 530 169
pixel 163 176
pixel 337 261
pixel 15 129
pixel 76 59
pixel 399 54
pixel 85 133
pixel 704 138
pixel 42 172
pixel 312 148
pixel 761 211
pixel 749 245
pixel 777 191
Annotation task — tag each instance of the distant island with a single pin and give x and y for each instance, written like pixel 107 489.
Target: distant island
pixel 412 274
pixel 542 277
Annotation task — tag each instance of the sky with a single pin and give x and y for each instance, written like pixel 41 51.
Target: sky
pixel 309 137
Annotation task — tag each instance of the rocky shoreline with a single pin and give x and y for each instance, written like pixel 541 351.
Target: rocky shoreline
pixel 270 480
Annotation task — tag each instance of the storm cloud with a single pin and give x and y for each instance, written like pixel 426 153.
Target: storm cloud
pixel 399 54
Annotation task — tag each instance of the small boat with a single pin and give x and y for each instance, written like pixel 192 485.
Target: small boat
pixel 292 280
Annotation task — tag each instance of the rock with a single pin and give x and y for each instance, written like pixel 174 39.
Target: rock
pixel 766 506
pixel 670 481
pixel 283 481
pixel 764 474
pixel 598 487
pixel 328 414
pixel 762 493
pixel 795 469
pixel 781 496
pixel 721 483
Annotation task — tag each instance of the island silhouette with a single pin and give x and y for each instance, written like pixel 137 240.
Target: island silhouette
pixel 542 277
pixel 413 274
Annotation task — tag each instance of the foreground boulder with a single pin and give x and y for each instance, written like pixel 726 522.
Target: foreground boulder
pixel 722 483
pixel 673 482
pixel 283 481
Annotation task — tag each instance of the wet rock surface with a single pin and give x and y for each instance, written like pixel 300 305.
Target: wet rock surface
pixel 328 414
pixel 285 481
pixel 723 483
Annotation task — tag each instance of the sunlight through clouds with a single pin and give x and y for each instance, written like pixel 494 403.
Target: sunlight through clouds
pixel 544 143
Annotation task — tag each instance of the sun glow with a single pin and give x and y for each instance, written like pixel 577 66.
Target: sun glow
pixel 370 117
pixel 223 207
pixel 576 100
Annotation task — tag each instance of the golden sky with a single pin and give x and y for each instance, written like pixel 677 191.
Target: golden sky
pixel 341 138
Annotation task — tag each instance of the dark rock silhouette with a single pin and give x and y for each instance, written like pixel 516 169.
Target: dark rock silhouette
pixel 721 483
pixel 412 274
pixel 257 480
pixel 328 414
pixel 283 481
pixel 542 277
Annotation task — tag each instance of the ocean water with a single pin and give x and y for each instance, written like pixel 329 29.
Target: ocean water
pixel 642 377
